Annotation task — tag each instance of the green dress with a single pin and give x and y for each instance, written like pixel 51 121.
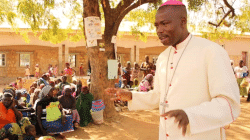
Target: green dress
pixel 83 106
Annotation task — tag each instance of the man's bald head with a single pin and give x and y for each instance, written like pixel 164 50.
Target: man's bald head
pixel 171 24
pixel 178 10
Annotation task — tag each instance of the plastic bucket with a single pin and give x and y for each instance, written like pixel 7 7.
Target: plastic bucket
pixel 97 117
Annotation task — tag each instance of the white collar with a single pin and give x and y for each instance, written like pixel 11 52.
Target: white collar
pixel 183 43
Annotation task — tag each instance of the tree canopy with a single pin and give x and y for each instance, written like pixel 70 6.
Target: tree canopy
pixel 220 18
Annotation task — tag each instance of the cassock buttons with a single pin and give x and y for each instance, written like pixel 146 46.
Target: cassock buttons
pixel 165 118
pixel 175 52
pixel 166 101
pixel 170 85
pixel 172 67
pixel 167 135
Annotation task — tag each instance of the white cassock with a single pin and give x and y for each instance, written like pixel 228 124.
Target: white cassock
pixel 203 85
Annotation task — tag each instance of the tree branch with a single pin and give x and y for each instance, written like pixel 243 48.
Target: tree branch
pixel 230 11
pixel 126 11
pixel 230 7
pixel 123 5
pixel 105 5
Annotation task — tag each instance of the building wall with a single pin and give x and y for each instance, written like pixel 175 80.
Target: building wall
pixel 235 47
pixel 45 53
pixel 151 52
pixel 41 55
pixel 81 57
pixel 125 53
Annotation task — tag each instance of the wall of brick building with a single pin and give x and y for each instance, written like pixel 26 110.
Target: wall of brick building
pixel 150 51
pixel 41 55
pixel 125 52
pixel 81 57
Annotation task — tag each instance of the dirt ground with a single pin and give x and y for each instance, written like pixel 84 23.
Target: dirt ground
pixel 144 125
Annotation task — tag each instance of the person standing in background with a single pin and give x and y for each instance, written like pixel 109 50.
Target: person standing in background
pixel 68 71
pixel 135 72
pixel 241 71
pixel 37 71
pixel 146 66
pixel 81 70
pixel 27 72
pixel 55 71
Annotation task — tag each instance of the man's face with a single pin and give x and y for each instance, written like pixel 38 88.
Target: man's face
pixel 18 96
pixel 33 131
pixel 146 58
pixel 85 90
pixel 136 82
pixel 168 26
pixel 64 78
pixel 68 92
pixel 50 94
pixel 136 65
pixel 128 65
pixel 67 65
pixel 7 101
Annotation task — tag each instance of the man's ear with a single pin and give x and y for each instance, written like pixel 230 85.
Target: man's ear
pixel 183 22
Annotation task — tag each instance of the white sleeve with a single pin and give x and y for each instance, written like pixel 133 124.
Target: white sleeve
pixel 245 68
pixel 224 106
pixel 146 100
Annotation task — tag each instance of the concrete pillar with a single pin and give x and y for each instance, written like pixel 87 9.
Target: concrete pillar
pixel 137 54
pixel 132 59
pixel 66 54
pixel 60 59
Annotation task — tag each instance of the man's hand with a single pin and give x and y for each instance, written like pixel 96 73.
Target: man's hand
pixel 63 119
pixel 44 132
pixel 118 94
pixel 181 117
pixel 12 105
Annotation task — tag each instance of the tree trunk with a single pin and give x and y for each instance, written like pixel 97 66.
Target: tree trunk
pixel 98 62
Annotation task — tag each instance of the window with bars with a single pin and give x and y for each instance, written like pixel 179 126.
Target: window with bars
pixel 24 59
pixel 2 59
pixel 72 60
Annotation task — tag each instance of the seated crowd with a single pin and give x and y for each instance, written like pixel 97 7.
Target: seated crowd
pixel 49 108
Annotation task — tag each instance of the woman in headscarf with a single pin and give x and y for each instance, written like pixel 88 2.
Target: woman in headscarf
pixel 68 71
pixel 68 103
pixel 147 83
pixel 127 72
pixel 241 72
pixel 83 105
pixel 78 89
pixel 135 72
pixel 58 126
pixel 12 124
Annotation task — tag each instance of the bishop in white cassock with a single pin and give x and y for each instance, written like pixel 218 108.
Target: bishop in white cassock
pixel 194 86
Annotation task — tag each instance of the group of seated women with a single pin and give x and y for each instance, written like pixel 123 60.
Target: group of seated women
pixel 50 110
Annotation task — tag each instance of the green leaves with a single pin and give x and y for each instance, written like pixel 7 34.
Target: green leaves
pixel 32 13
pixel 195 5
pixel 243 20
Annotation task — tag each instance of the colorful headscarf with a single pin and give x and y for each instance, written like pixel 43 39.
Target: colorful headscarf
pixel 8 93
pixel 37 90
pixel 64 89
pixel 148 76
pixel 45 91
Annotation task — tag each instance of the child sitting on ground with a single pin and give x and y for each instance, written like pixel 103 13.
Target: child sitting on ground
pixel 30 131
pixel 125 84
pixel 135 85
